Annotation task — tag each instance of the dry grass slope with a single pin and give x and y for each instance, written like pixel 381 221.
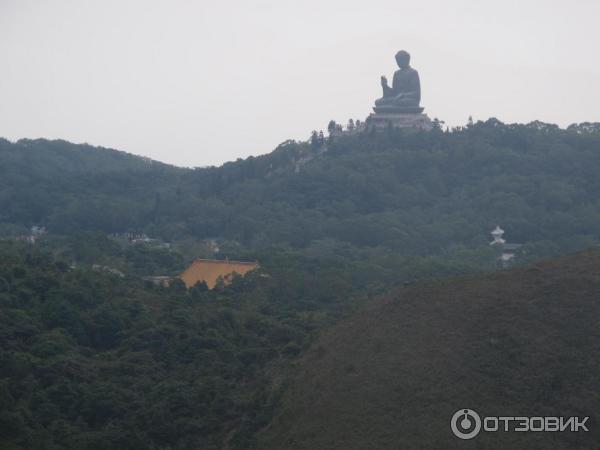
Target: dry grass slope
pixel 518 342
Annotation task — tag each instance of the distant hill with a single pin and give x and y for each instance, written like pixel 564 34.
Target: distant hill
pixel 42 156
pixel 70 187
pixel 513 343
pixel 418 193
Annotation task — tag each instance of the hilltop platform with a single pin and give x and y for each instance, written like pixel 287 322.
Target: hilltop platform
pixel 416 121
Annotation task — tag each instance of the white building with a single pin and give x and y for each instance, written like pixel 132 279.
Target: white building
pixel 509 250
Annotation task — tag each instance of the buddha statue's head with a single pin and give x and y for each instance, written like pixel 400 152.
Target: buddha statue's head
pixel 403 59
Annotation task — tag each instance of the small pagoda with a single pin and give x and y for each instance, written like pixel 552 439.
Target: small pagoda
pixel 508 250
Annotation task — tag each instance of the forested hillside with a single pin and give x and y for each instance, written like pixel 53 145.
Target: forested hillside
pixel 94 361
pixel 418 193
pixel 70 187
pixel 89 358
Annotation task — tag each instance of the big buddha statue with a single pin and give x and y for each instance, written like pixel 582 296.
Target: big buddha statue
pixel 404 95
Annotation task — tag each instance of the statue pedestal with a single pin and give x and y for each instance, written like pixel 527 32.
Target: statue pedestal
pixel 415 121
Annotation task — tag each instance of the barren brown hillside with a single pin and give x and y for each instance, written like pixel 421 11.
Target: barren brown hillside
pixel 513 343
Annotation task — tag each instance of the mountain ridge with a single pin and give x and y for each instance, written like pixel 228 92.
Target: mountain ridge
pixel 424 193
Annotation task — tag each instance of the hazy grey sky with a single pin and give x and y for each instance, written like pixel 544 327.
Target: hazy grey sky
pixel 202 82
